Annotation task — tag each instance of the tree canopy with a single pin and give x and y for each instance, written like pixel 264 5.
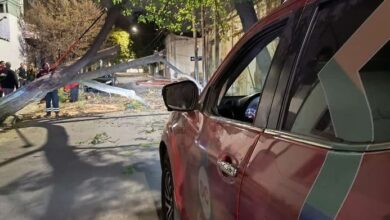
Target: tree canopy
pixel 176 16
pixel 122 38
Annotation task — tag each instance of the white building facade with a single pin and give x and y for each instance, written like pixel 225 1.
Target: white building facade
pixel 12 43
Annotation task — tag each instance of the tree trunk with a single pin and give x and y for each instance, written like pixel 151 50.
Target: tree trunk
pixel 246 12
pixel 204 44
pixel 196 67
pixel 216 36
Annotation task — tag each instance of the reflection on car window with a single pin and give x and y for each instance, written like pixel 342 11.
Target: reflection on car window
pixel 241 100
pixel 252 78
pixel 332 96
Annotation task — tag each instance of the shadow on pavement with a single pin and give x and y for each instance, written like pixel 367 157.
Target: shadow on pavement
pixel 71 177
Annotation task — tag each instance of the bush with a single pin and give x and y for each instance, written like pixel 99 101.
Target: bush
pixel 64 96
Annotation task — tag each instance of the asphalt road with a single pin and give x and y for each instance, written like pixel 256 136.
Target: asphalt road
pixel 104 167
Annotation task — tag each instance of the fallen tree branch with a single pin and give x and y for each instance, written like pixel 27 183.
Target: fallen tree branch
pixel 114 90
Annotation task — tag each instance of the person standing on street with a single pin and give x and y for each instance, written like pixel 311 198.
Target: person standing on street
pixel 2 76
pixel 31 73
pixel 10 82
pixel 52 99
pixel 2 67
pixel 22 73
pixel 73 90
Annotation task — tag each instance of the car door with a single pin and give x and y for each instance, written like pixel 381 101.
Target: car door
pixel 306 161
pixel 227 132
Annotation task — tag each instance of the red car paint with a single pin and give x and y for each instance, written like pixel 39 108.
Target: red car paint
pixel 369 197
pixel 281 173
pixel 277 175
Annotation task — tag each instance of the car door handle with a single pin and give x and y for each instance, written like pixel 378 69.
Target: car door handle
pixel 227 168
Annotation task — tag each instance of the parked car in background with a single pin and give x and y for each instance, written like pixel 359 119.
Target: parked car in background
pixel 295 123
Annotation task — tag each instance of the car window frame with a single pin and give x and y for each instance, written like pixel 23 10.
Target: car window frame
pixel 260 39
pixel 288 72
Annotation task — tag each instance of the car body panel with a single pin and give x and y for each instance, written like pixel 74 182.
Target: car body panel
pixel 187 157
pixel 369 197
pixel 222 140
pixel 181 126
pixel 278 178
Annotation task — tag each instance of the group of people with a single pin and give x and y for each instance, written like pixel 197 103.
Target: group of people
pixel 11 80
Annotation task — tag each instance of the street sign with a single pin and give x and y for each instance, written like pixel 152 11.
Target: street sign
pixel 193 58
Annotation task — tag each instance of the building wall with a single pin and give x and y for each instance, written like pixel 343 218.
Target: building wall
pixel 14 7
pixel 11 50
pixel 11 39
pixel 179 51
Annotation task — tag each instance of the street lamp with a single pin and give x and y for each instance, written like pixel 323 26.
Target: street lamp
pixel 134 29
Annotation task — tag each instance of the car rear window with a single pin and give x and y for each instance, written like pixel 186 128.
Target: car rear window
pixel 341 86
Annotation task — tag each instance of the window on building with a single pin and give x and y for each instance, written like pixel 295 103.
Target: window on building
pixel 4 26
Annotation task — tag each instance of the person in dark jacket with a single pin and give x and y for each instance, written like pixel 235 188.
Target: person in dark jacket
pixel 2 67
pixel 52 99
pixel 2 76
pixel 10 82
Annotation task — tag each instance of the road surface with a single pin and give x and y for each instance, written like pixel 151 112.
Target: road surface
pixel 103 167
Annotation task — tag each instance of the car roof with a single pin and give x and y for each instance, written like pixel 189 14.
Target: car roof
pixel 278 12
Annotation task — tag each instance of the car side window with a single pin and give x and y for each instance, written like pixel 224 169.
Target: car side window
pixel 239 100
pixel 340 92
pixel 251 80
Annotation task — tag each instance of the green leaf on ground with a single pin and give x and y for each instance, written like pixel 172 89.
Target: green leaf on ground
pixel 128 170
pixel 145 145
pixel 100 138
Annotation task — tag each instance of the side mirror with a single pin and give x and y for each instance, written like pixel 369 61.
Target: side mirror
pixel 181 96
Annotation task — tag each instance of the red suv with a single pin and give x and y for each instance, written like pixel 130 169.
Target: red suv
pixel 295 123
